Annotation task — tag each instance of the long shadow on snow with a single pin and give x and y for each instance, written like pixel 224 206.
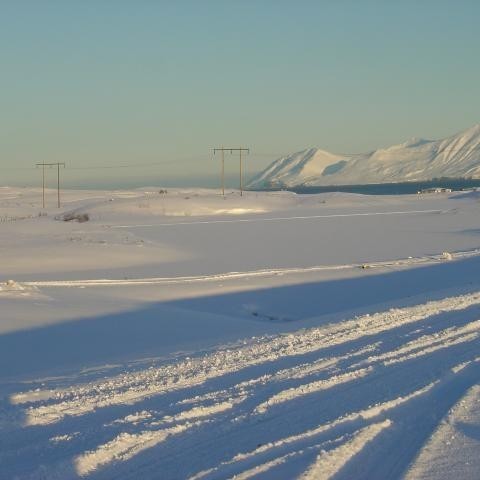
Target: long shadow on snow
pixel 414 422
pixel 167 327
pixel 140 332
pixel 167 401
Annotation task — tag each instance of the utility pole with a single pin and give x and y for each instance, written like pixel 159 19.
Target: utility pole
pixel 223 167
pixel 231 150
pixel 43 186
pixel 50 165
pixel 241 175
pixel 58 184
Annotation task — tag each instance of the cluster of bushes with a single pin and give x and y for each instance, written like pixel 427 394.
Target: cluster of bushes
pixel 76 217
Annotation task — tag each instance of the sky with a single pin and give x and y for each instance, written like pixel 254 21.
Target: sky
pixel 141 91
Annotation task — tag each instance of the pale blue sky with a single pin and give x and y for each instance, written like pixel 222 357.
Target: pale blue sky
pixel 107 83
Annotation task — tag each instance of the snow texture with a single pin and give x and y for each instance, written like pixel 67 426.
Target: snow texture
pixel 310 337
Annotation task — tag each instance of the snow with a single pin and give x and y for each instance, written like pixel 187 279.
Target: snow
pixel 415 160
pixel 452 451
pixel 272 335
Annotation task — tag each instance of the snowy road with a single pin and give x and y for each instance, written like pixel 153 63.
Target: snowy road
pixel 362 395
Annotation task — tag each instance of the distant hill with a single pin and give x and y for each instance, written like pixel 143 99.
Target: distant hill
pixel 415 160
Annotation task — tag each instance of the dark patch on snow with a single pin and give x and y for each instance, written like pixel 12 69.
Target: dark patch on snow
pixel 334 168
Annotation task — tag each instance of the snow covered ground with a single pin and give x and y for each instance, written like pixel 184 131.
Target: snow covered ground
pixel 183 335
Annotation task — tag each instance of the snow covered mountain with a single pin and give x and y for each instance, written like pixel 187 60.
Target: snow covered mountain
pixel 415 160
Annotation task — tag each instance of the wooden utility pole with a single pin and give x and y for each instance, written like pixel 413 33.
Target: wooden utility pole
pixel 231 150
pixel 58 184
pixel 43 186
pixel 50 165
pixel 223 168
pixel 241 175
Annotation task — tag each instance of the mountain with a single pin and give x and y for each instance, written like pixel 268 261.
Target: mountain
pixel 415 160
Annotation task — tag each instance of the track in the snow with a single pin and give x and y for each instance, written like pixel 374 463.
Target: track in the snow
pixel 367 391
pixel 279 219
pixel 399 263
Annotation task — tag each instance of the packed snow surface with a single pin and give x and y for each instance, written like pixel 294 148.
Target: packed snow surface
pixel 415 160
pixel 181 334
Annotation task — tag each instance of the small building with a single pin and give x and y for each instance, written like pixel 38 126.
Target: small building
pixel 435 190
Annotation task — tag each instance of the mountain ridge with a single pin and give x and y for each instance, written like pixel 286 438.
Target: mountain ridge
pixel 417 159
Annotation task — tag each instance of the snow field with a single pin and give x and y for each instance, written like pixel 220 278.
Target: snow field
pixel 388 362
pixel 277 336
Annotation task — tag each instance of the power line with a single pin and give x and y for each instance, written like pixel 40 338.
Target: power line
pixel 137 165
pixel 240 150
pixel 198 159
pixel 126 165
pixel 50 165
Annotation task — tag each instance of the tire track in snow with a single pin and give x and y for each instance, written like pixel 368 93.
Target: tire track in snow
pixel 342 425
pixel 453 447
pixel 296 441
pixel 105 282
pixel 127 389
pixel 312 387
pixel 126 445
pixel 331 462
pixel 427 344
pixel 280 219
pixel 248 387
pixel 133 387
